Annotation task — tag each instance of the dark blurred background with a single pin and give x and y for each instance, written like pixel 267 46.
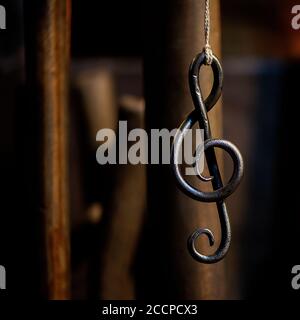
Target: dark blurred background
pixel 261 59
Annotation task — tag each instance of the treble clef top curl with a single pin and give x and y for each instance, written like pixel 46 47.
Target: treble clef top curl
pixel 220 192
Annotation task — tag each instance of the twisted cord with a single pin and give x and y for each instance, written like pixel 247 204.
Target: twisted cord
pixel 207 47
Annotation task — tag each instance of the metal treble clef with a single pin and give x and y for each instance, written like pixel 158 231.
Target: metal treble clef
pixel 220 192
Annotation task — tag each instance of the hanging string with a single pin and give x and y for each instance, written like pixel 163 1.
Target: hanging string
pixel 207 47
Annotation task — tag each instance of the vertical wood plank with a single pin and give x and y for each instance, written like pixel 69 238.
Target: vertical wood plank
pixel 174 35
pixel 47 39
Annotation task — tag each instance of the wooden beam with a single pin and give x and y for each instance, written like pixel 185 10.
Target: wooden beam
pixel 174 35
pixel 125 216
pixel 47 59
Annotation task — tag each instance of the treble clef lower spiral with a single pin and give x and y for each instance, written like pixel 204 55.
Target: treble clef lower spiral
pixel 220 192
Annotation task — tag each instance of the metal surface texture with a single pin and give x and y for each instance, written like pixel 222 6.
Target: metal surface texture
pixel 220 192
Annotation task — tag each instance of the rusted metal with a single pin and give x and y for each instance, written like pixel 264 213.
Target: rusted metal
pixel 47 38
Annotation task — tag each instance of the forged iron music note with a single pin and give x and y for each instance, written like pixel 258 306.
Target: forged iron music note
pixel 220 192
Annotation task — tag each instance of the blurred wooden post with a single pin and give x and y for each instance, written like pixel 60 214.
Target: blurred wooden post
pixel 47 59
pixel 126 214
pixel 174 35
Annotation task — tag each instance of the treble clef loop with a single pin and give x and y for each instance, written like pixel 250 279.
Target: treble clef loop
pixel 220 192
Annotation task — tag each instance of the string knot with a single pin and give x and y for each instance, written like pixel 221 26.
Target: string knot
pixel 208 55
